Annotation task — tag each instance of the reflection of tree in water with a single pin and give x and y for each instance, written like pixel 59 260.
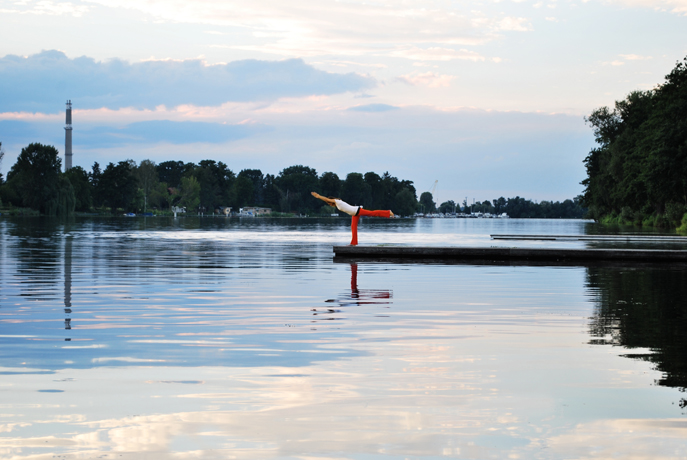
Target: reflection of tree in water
pixel 644 308
pixel 39 246
pixel 37 252
pixel 356 297
pixel 67 281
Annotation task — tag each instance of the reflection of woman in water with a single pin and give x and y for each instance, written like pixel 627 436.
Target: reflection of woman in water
pixel 354 211
pixel 364 295
pixel 357 297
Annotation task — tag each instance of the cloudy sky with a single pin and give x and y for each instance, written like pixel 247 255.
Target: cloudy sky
pixel 487 97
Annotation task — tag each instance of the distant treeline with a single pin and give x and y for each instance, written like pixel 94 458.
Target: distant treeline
pixel 638 172
pixel 35 182
pixel 521 208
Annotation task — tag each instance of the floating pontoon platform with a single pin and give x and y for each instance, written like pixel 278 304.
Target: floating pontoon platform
pixel 512 254
pixel 623 238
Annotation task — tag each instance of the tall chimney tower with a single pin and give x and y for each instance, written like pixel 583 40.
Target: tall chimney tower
pixel 68 138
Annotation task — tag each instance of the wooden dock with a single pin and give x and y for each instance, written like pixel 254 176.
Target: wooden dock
pixel 512 254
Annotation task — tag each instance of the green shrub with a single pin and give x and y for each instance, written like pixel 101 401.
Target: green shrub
pixel 674 212
pixel 627 215
pixel 649 221
pixel 662 221
pixel 683 227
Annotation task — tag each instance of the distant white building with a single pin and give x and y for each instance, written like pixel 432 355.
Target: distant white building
pixel 177 209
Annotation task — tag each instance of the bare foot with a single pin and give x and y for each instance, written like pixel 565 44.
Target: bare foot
pixel 391 214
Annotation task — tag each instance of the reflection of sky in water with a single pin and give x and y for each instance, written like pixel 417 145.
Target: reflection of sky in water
pixel 204 339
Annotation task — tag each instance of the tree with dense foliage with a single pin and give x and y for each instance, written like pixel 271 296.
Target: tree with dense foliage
pixel 243 192
pixel 405 203
pixel 215 180
pixel 79 180
pixel 211 189
pixel 638 171
pixel 272 193
pixel 118 186
pixel 63 202
pixel 36 181
pixel 356 191
pixel 499 205
pixel 146 174
pixel 94 179
pixel 256 195
pixel 484 207
pixel 159 197
pixel 375 188
pixel 427 204
pixel 330 185
pixel 447 207
pixel 2 154
pixel 294 185
pixel 391 187
pixel 190 194
pixel 171 172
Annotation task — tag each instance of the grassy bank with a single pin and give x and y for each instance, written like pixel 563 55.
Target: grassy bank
pixel 672 219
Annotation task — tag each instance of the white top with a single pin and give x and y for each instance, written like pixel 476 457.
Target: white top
pixel 347 208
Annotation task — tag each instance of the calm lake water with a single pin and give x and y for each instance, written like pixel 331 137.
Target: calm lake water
pixel 224 338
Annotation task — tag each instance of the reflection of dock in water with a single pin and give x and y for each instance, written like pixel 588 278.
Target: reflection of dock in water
pixel 356 297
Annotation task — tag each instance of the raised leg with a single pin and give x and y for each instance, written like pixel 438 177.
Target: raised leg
pixel 366 213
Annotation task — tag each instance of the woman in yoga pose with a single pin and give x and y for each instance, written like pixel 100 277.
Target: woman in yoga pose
pixel 354 211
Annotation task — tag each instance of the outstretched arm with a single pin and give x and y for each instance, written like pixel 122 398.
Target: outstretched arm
pixel 329 201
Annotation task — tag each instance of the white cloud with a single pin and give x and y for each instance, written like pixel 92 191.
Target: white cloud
pixel 373 108
pixel 437 54
pixel 44 7
pixel 514 24
pixel 429 79
pixel 341 63
pixel 673 6
pixel 634 57
pixel 312 27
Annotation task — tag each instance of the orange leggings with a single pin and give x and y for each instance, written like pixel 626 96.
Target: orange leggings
pixel 364 213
